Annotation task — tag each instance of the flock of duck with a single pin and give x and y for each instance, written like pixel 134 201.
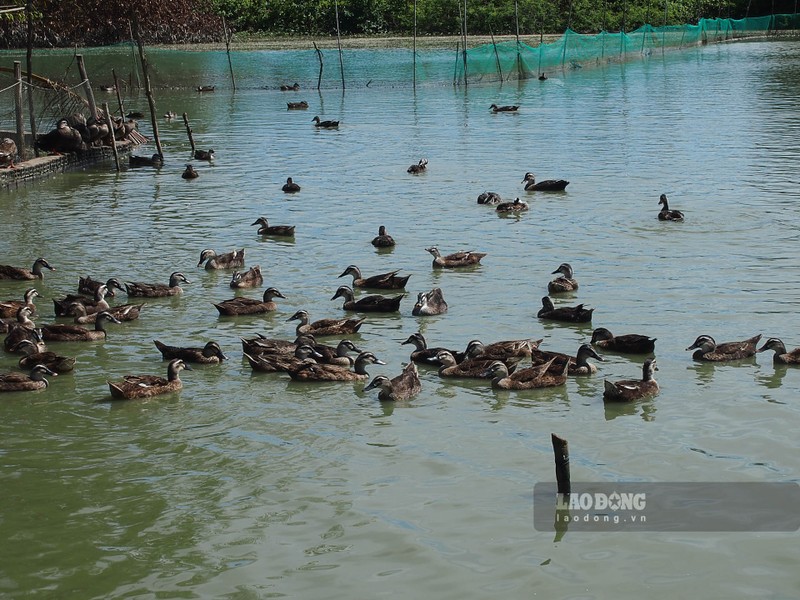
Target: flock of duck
pixel 306 358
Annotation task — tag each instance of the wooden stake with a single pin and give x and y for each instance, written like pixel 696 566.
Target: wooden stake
pixel 29 67
pixel 18 109
pixel 319 56
pixel 148 90
pixel 119 96
pixel 189 131
pixel 414 59
pixel 111 135
pixel 497 57
pixel 561 452
pixel 228 50
pixel 87 87
pixel 339 41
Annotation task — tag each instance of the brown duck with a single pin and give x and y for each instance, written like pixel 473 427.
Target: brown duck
pixel 250 306
pixel 249 279
pixel 9 308
pixel 279 230
pixel 384 281
pixel 665 214
pixel 403 387
pixel 123 312
pixel 20 382
pixel 324 327
pixel 781 355
pixel 565 282
pixel 318 372
pixel 146 386
pixel 210 354
pixel 21 274
pixel 76 333
pixel 97 303
pixel 425 355
pixel 629 390
pixel 706 349
pixel 629 343
pixel 577 365
pixel 548 185
pixel 371 303
pixel 51 360
pixel 469 368
pixel 156 290
pixel 228 260
pixel 273 363
pixel 455 260
pixel 569 314
pixel 430 303
pixel 537 376
pixel 88 286
pixel 383 239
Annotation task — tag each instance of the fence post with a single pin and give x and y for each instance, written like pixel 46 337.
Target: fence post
pixel 18 110
pixel 87 87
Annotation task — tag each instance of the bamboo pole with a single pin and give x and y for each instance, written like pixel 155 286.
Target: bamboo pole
pixel 516 29
pixel 119 96
pixel 228 50
pixel 455 67
pixel 414 59
pixel 496 56
pixel 319 56
pixel 18 110
pixel 29 67
pixel 148 90
pixel 339 41
pixel 133 59
pixel 189 131
pixel 561 453
pixel 87 87
pixel 111 135
pixel 464 51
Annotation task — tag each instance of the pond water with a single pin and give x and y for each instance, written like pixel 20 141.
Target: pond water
pixel 249 485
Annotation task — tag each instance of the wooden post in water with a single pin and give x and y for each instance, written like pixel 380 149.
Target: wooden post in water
pixel 455 67
pixel 189 131
pixel 339 41
pixel 119 96
pixel 319 56
pixel 29 68
pixel 414 49
pixel 464 50
pixel 18 109
pixel 496 56
pixel 561 452
pixel 111 135
pixel 147 89
pixel 133 59
pixel 228 49
pixel 87 87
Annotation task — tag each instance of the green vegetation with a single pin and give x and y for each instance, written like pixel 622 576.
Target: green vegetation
pixel 96 22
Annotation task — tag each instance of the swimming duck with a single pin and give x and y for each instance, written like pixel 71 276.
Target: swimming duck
pixel 228 260
pixel 135 114
pixel 665 214
pixel 504 350
pixel 206 88
pixel 384 281
pixel 169 115
pixel 420 167
pixel 23 329
pixel 383 239
pixel 210 354
pixel 207 155
pixel 565 282
pixel 290 88
pixel 62 139
pixel 569 314
pixel 21 273
pixel 471 368
pixel 709 350
pixel 156 161
pixel 9 308
pixel 537 376
pixel 267 229
pixel 543 77
pixel 19 382
pixel 290 187
pixel 403 387
pixel 156 290
pixel 430 303
pixel 190 173
pixel 630 343
pixel 489 198
pixel 423 354
pixel 66 306
pixel 781 354
pixel 88 286
pixel 324 327
pixel 457 259
pixel 250 306
pixel 310 371
pixel 516 206
pixel 549 185
pixel 261 344
pixel 123 312
pixel 8 152
pixel 76 333
pixel 273 363
pixel 325 124
pixel 146 386
pixel 628 390
pixel 302 105
pixel 507 108
pixel 336 355
pixel 249 279
pixel 51 360
pixel 577 365
pixel 371 303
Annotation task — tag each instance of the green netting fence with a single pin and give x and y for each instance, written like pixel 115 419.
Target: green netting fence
pixel 516 60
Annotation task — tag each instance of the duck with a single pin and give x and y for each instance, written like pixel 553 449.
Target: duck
pixel 169 115
pixel 302 105
pixel 489 198
pixel 8 152
pixel 629 390
pixel 249 279
pixel 425 355
pixel 156 290
pixel 534 377
pixel 207 155
pixel 565 282
pixel 190 173
pixel 543 77
pixel 34 356
pixel 549 185
pixel 336 355
pixel 19 382
pixel 262 344
pixel 123 312
pixel 66 306
pixel 210 354
pixel 147 386
pixel 470 368
pixel 781 356
pixel 629 343
pixel 206 88
pixel 383 239
pixel 569 314
pixel 76 333
pixel 290 88
pixel 61 140
pixel 665 214
pixel 290 187
pixel 250 306
pixel 9 308
pixel 324 327
pixel 576 365
pixel 384 281
pixel 430 303
pixel 325 124
pixel 708 350
pixel 371 303
pixel 135 114
pixel 420 167
pixel 23 274
pixel 402 387
pixel 267 229
pixel 516 206
pixel 273 363
pixel 23 329
pixel 457 259
pixel 157 161
pixel 88 286
pixel 506 350
pixel 507 108
pixel 311 371
pixel 228 260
